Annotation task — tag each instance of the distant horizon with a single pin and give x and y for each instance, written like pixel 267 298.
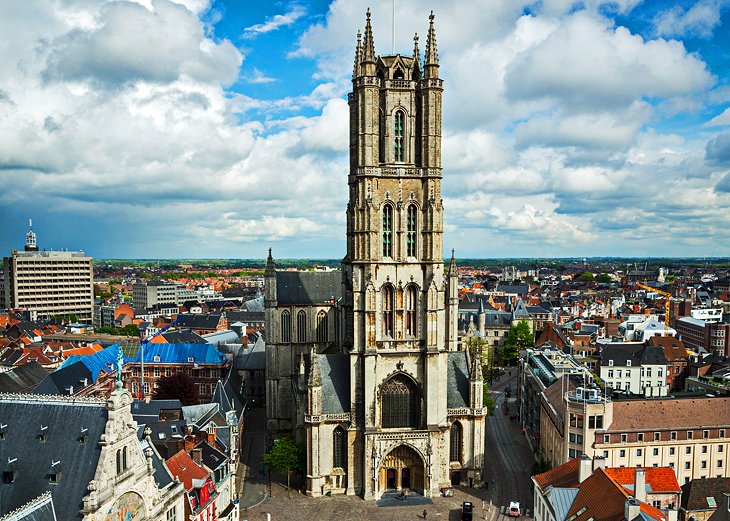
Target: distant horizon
pixel 335 259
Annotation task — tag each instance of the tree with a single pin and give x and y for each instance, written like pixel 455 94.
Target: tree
pixel 586 276
pixel 285 456
pixel 177 387
pixel 130 330
pixel 603 278
pixel 520 337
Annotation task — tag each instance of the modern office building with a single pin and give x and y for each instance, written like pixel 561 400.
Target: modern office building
pixel 48 283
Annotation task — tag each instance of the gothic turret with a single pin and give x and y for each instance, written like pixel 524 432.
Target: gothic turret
pixel 315 385
pixel 368 51
pixel 431 63
pixel 476 382
pixel 358 56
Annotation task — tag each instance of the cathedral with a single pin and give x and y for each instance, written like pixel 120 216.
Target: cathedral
pixel 362 364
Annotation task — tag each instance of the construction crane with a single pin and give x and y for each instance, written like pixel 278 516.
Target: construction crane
pixel 144 343
pixel 667 304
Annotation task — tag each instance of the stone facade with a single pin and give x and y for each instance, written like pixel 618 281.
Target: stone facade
pixel 390 404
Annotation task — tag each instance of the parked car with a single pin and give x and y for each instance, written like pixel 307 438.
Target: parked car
pixel 514 509
pixel 467 508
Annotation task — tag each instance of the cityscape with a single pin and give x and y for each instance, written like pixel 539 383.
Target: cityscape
pixel 257 266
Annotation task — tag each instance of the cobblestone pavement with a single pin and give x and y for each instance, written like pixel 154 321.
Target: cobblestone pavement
pixel 353 508
pixel 251 481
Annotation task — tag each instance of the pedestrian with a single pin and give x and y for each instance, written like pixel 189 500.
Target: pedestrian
pixel 424 513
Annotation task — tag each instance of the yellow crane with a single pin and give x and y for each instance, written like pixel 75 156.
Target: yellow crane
pixel 667 304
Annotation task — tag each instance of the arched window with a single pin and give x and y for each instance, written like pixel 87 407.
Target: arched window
pixel 456 440
pixel 285 326
pixel 302 326
pixel 400 403
pixel 322 326
pixel 388 301
pixel 411 310
pixel 412 224
pixel 120 469
pixel 339 448
pixel 124 459
pixel 398 75
pixel 387 231
pixel 398 135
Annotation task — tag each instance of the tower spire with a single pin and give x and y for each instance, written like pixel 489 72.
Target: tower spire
pixel 431 60
pixel 452 264
pixel 368 44
pixel 416 53
pixel 358 55
pixel 270 266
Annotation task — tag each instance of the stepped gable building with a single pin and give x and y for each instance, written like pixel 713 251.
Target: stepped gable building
pixel 81 458
pixel 383 399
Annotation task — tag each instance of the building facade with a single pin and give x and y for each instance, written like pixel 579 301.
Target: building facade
pixel 391 405
pixel 49 283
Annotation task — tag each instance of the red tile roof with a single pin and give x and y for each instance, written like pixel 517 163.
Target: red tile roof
pixel 670 413
pixel 564 476
pixel 661 479
pixel 183 467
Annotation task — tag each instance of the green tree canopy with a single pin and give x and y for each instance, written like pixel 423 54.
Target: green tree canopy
pixel 520 337
pixel 586 276
pixel 604 278
pixel 285 456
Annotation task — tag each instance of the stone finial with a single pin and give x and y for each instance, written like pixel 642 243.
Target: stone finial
pixel 315 378
pixel 452 264
pixel 358 55
pixel 416 53
pixel 431 60
pixel 368 44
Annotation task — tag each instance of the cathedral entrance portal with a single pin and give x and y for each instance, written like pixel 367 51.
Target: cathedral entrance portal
pixel 402 469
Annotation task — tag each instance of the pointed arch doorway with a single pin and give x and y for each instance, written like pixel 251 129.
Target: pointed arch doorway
pixel 402 469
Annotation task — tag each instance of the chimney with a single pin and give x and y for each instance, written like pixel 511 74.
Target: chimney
pixel 599 462
pixel 189 442
pixel 584 468
pixel 632 509
pixel 197 455
pixel 640 483
pixel 672 515
pixel 211 438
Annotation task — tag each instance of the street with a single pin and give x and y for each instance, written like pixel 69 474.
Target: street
pixel 508 459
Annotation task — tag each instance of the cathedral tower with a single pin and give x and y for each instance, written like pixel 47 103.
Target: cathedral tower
pixel 399 305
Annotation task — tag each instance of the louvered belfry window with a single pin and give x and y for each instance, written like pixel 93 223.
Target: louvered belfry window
pixel 398 144
pixel 411 219
pixel 388 298
pixel 400 403
pixel 387 231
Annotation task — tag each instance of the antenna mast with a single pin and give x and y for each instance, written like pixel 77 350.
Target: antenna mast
pixel 392 36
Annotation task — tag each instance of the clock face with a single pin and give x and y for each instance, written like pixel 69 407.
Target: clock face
pixel 128 507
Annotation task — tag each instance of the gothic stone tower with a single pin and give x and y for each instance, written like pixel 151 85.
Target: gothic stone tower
pixel 400 307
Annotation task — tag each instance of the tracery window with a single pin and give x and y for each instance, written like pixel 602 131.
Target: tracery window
pixel 400 403
pixel 387 231
pixel 456 441
pixel 411 309
pixel 285 326
pixel 322 326
pixel 302 326
pixel 388 301
pixel 398 143
pixel 411 222
pixel 339 448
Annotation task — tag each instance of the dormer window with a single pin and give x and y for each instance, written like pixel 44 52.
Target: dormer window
pixel 157 358
pixel 191 359
pixel 610 363
pixel 628 363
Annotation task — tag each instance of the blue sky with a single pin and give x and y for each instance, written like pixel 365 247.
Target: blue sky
pixel 210 128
